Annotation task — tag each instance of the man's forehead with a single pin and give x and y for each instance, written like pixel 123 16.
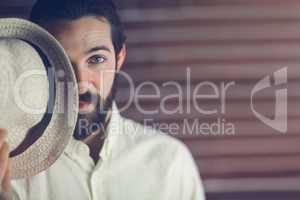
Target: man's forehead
pixel 84 33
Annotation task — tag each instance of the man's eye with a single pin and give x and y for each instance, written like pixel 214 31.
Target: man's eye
pixel 97 59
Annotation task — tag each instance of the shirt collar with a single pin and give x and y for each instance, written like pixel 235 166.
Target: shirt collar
pixel 112 131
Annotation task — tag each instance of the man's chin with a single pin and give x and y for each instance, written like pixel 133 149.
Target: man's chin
pixel 86 108
pixel 92 118
pixel 88 124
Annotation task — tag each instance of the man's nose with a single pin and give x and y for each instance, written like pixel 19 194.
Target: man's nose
pixel 82 76
pixel 83 81
pixel 81 72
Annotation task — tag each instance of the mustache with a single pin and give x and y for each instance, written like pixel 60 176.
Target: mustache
pixel 89 97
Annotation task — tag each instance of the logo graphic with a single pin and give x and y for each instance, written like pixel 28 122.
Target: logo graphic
pixel 279 122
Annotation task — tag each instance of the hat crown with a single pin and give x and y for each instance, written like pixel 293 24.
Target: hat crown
pixel 24 89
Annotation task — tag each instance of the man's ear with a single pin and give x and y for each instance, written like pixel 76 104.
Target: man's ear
pixel 121 57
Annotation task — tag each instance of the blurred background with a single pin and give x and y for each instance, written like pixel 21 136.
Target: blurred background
pixel 218 42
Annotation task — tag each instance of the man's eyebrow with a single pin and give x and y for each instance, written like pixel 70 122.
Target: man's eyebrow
pixel 98 48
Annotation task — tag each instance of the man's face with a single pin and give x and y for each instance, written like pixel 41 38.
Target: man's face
pixel 88 43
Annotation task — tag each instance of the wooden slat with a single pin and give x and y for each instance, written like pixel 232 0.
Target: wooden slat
pixel 138 4
pixel 252 184
pixel 239 91
pixel 234 62
pixel 233 110
pixel 136 26
pixel 206 72
pixel 184 129
pixel 258 195
pixel 213 12
pixel 241 146
pixel 195 43
pixel 250 166
pixel 217 52
pixel 221 32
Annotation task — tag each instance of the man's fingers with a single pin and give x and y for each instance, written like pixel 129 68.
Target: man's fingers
pixel 6 186
pixel 2 136
pixel 4 157
pixel 4 167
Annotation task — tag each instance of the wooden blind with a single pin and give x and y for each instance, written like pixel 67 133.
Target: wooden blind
pixel 223 41
pixel 219 42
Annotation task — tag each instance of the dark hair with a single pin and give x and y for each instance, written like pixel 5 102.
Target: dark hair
pixel 48 11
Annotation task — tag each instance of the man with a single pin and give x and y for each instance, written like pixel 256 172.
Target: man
pixel 110 157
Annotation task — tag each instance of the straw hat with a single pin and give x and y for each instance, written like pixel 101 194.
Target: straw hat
pixel 38 96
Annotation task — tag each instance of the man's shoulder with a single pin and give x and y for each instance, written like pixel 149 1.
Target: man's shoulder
pixel 151 140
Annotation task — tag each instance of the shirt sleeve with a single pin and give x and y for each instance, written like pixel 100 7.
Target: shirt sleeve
pixel 191 178
pixel 185 178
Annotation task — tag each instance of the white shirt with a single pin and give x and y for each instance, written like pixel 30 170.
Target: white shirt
pixel 136 163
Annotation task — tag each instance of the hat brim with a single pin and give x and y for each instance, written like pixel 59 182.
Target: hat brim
pixel 51 144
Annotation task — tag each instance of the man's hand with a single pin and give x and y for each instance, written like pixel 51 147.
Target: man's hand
pixel 4 167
